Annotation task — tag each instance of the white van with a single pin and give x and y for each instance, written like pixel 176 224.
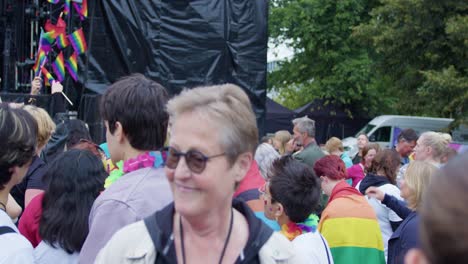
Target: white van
pixel 386 128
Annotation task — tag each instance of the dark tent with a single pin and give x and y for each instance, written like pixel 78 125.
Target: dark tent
pixel 278 117
pixel 331 120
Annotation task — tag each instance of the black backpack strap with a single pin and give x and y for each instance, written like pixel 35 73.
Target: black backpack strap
pixel 6 230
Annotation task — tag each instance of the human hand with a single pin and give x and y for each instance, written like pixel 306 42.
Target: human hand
pixel 36 85
pixel 56 87
pixel 375 192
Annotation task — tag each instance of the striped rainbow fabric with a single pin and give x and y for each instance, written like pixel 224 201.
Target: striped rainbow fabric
pixel 351 228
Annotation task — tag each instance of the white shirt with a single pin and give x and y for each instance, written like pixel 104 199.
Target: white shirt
pixel 14 248
pixel 310 248
pixel 384 214
pixel 45 254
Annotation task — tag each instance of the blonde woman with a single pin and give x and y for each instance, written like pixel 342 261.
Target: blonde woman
pixel 32 184
pixel 334 146
pixel 280 140
pixel 416 179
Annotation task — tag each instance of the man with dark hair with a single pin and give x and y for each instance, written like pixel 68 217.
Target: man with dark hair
pixel 405 144
pixel 133 109
pixel 18 131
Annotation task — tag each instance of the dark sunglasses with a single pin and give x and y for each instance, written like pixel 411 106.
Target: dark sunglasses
pixel 196 161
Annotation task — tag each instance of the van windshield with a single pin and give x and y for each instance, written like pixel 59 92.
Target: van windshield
pixel 365 130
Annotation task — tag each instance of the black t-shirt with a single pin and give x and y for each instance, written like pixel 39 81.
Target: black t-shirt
pixel 32 180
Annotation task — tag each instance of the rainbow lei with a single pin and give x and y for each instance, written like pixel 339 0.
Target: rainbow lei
pixel 148 159
pixel 291 230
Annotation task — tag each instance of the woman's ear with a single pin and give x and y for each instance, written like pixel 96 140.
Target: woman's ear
pixel 415 256
pixel 243 163
pixel 278 210
pixel 118 132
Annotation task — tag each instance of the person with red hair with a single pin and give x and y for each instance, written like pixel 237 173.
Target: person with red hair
pixel 348 222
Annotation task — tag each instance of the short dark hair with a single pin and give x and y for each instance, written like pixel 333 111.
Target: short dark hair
pixel 408 135
pixel 73 181
pixel 77 130
pixel 18 130
pixel 295 186
pixel 443 214
pixel 139 104
pixel 330 166
pixel 388 161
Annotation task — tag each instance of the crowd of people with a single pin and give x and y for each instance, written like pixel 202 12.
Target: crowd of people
pixel 187 180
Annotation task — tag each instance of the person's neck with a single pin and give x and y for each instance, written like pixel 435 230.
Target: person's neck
pixel 283 220
pixel 308 141
pixel 4 197
pixel 332 186
pixel 132 153
pixel 212 225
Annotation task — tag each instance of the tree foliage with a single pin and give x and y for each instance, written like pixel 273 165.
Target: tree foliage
pixel 387 56
pixel 328 62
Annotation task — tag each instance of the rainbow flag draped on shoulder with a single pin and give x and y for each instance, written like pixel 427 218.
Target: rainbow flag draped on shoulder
pixel 351 228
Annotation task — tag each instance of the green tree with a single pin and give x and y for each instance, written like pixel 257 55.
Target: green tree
pixel 328 62
pixel 422 47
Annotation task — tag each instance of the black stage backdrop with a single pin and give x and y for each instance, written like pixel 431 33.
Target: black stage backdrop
pixel 180 44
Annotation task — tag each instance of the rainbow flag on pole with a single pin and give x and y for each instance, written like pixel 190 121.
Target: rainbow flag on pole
pixel 81 7
pixel 40 61
pixel 66 8
pixel 78 41
pixel 59 67
pixel 53 1
pixel 72 66
pixel 46 40
pixel 62 41
pixel 48 77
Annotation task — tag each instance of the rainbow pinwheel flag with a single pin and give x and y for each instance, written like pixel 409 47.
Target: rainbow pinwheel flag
pixel 62 41
pixel 40 61
pixel 59 67
pixel 78 41
pixel 72 65
pixel 48 77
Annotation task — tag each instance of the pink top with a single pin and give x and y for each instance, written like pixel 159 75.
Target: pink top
pixel 29 221
pixel 355 173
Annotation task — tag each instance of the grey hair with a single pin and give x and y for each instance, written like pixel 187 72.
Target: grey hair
pixel 264 156
pixel 226 105
pixel 305 124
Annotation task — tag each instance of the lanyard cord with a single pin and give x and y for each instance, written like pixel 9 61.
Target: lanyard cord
pixel 225 242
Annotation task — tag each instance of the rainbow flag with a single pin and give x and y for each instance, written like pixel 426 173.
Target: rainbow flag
pixel 59 67
pixel 46 40
pixel 48 77
pixel 351 228
pixel 40 61
pixel 78 41
pixel 53 1
pixel 66 7
pixel 81 8
pixel 62 41
pixel 72 66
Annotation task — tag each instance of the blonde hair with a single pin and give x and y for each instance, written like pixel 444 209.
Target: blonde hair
pixel 44 123
pixel 417 178
pixel 226 105
pixel 334 144
pixel 283 136
pixel 437 141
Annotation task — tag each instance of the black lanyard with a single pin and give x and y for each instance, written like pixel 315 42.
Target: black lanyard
pixel 225 242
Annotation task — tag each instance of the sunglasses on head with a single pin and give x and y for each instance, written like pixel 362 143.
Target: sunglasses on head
pixel 195 160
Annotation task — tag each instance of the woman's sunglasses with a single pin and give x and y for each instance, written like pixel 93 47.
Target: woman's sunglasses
pixel 196 161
